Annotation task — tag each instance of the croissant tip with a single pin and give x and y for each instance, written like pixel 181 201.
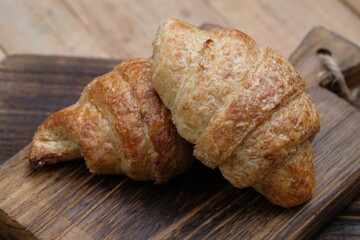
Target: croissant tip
pixel 40 162
pixel 289 205
pixel 35 163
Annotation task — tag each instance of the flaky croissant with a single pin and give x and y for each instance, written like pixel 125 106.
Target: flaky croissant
pixel 243 105
pixel 119 126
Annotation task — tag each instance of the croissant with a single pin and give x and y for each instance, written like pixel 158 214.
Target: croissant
pixel 242 105
pixel 119 126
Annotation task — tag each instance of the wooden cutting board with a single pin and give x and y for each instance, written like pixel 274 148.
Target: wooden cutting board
pixel 67 202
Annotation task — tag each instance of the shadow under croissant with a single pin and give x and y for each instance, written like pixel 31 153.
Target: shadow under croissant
pixel 199 186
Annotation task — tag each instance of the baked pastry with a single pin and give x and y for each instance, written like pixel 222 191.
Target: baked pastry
pixel 119 126
pixel 242 105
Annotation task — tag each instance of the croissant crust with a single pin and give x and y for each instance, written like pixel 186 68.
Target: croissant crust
pixel 119 126
pixel 242 105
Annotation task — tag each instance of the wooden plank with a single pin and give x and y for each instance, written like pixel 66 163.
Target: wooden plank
pixel 30 64
pixel 44 27
pixel 346 225
pixel 118 29
pixel 281 24
pixel 87 29
pixel 130 28
pixel 85 198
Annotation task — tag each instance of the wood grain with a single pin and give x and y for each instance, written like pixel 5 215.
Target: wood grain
pixel 66 201
pixel 130 28
pixel 281 25
pixel 124 29
pixel 33 87
pixel 109 28
pixel 344 226
pixel 44 27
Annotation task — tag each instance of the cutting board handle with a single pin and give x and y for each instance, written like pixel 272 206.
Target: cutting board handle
pixel 346 54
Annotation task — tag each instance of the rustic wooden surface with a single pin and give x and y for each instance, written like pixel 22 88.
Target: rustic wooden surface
pixel 66 201
pixel 124 29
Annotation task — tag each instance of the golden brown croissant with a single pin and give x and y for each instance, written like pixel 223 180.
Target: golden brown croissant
pixel 243 105
pixel 119 126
